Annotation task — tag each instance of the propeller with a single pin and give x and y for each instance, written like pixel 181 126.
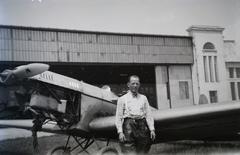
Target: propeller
pixel 22 72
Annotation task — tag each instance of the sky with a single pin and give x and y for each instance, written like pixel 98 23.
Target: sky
pixel 164 17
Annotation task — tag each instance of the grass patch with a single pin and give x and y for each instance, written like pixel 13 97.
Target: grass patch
pixel 23 146
pixel 196 147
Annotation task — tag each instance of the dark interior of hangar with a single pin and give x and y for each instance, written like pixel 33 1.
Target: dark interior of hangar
pixel 115 76
pixel 100 74
pixel 105 74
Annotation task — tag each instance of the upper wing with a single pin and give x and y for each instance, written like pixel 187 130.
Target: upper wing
pixel 216 121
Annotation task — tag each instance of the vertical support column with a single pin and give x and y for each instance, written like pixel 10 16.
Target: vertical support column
pixel 161 87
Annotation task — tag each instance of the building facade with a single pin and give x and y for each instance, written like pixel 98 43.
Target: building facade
pixel 175 71
pixel 209 68
pixel 232 59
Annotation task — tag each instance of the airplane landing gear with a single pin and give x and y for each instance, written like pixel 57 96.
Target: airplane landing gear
pixel 58 150
pixel 82 145
pixel 107 150
pixel 62 150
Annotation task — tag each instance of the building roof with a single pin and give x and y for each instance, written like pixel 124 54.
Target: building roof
pixel 90 32
pixel 205 28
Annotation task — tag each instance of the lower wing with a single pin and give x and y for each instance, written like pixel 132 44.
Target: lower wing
pixel 217 121
pixel 27 124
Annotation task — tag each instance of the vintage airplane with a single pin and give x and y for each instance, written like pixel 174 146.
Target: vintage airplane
pixel 60 104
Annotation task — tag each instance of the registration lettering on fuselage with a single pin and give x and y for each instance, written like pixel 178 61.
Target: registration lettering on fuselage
pixel 74 84
pixel 46 76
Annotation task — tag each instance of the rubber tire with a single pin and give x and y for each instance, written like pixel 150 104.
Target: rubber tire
pixel 54 149
pixel 108 151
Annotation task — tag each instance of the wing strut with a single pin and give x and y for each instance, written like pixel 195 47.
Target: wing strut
pixel 52 93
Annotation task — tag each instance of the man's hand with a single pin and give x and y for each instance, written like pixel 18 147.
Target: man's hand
pixel 153 135
pixel 122 137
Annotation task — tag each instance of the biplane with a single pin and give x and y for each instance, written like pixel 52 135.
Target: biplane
pixel 86 113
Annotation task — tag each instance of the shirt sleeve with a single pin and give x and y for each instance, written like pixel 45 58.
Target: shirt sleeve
pixel 149 116
pixel 119 115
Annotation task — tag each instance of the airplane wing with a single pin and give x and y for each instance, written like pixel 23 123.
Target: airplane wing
pixel 217 121
pixel 27 124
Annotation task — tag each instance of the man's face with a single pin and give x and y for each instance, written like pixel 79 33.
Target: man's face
pixel 134 84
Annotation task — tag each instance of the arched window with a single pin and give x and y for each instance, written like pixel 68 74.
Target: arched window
pixel 210 63
pixel 208 46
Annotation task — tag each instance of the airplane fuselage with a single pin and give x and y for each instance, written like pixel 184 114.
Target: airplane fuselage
pixel 84 102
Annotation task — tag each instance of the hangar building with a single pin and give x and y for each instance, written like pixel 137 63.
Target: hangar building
pixel 175 71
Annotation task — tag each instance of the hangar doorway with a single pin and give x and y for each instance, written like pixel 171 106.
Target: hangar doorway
pixel 115 76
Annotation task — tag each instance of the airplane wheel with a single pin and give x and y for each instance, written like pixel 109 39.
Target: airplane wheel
pixel 58 150
pixel 107 151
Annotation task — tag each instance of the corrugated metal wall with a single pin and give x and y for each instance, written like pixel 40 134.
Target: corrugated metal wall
pixel 5 44
pixel 28 44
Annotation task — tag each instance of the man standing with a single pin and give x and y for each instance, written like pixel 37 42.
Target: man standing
pixel 134 121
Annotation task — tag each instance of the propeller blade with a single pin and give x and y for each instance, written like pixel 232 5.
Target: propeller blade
pixel 22 72
pixel 30 70
pixel 7 77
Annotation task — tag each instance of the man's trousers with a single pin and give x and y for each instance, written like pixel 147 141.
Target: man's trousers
pixel 137 136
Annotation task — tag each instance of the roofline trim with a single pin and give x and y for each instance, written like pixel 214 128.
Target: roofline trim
pixel 205 28
pixel 91 32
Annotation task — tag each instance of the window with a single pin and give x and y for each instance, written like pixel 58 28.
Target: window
pixel 216 68
pixel 208 45
pixel 210 63
pixel 231 71
pixel 213 96
pixel 238 72
pixel 233 90
pixel 183 90
pixel 238 87
pixel 234 72
pixel 211 68
pixel 205 68
pixel 234 75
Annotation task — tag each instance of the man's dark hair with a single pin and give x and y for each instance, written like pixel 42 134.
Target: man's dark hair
pixel 134 76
